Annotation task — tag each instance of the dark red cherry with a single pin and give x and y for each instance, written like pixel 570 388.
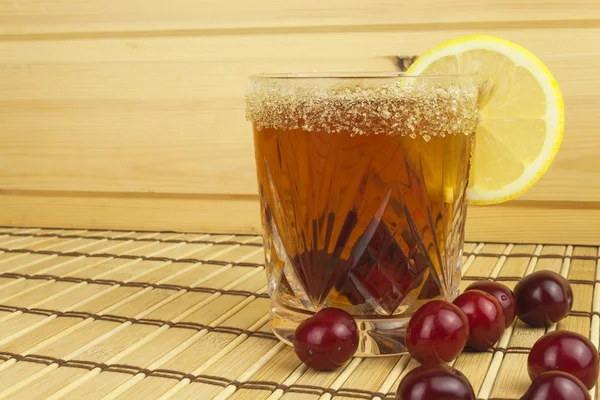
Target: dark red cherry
pixel 503 294
pixel 327 340
pixel 486 318
pixel 565 351
pixel 543 298
pixel 556 385
pixel 437 332
pixel 435 382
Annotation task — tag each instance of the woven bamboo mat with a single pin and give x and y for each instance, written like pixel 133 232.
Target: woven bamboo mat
pixel 143 315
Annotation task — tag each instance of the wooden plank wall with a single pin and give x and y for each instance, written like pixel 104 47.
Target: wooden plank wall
pixel 130 113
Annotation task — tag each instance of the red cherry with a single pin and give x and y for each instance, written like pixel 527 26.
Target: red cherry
pixel 486 318
pixel 503 294
pixel 437 332
pixel 327 340
pixel 543 298
pixel 565 351
pixel 435 382
pixel 556 385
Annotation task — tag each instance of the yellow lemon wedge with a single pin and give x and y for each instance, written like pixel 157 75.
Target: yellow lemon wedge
pixel 521 121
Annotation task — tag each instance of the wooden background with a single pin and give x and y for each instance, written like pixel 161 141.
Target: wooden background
pixel 130 113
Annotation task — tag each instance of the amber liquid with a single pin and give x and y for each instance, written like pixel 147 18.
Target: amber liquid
pixel 369 223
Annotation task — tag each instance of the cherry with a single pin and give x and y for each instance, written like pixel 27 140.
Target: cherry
pixel 327 340
pixel 556 385
pixel 486 318
pixel 565 351
pixel 503 294
pixel 435 382
pixel 543 298
pixel 437 332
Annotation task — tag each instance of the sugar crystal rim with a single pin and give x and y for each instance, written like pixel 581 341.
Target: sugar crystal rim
pixel 429 107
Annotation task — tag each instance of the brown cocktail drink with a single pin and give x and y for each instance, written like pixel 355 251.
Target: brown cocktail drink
pixel 362 182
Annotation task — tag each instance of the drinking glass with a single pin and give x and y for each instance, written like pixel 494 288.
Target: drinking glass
pixel 362 181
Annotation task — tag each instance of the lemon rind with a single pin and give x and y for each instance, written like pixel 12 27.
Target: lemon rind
pixel 554 116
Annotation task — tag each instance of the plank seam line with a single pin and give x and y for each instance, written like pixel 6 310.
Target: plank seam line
pixel 290 29
pixel 121 231
pixel 54 228
pixel 126 239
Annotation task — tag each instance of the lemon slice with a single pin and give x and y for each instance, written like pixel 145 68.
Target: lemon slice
pixel 521 121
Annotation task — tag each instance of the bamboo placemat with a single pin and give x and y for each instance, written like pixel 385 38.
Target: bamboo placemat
pixel 144 315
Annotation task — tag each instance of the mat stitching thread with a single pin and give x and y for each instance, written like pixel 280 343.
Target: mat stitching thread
pixel 202 378
pixel 245 293
pixel 14 275
pixel 184 324
pixel 249 264
pixel 527 255
pixel 39 358
pixel 210 379
pixel 159 322
pixel 518 278
pixel 143 321
pixel 130 257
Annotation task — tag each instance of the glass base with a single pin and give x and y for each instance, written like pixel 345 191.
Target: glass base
pixel 382 336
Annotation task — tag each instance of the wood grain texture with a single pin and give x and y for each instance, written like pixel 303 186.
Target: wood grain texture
pixel 68 16
pixel 131 114
pixel 514 222
pixel 166 115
